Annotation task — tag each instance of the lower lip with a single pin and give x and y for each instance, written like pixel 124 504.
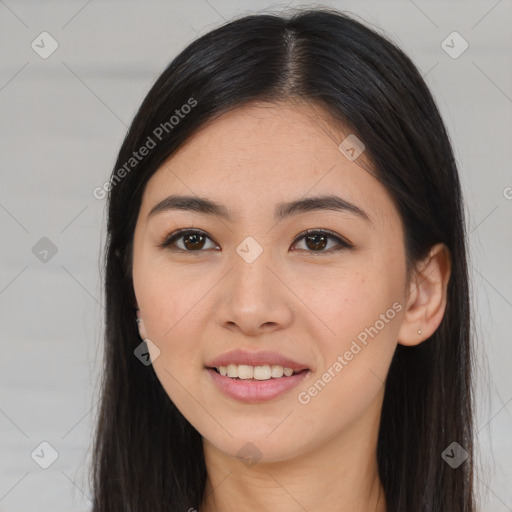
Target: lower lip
pixel 256 391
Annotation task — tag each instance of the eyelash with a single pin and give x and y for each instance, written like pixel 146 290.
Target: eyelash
pixel 176 235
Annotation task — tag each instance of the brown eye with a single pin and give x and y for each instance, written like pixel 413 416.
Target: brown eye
pixel 193 240
pixel 318 240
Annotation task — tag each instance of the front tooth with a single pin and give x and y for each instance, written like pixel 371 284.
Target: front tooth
pixel 232 370
pixel 262 372
pixel 245 371
pixel 276 371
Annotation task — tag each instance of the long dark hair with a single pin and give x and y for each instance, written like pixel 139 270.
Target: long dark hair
pixel 147 456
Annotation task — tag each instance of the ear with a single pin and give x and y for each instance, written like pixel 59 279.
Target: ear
pixel 426 300
pixel 140 324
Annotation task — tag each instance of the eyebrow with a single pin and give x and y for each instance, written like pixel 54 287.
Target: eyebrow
pixel 208 207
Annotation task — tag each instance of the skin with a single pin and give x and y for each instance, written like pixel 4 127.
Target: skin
pixel 307 305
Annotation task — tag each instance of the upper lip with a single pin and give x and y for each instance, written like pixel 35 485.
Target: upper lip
pixel 255 359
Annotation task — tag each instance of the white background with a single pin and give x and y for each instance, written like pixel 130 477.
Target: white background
pixel 62 122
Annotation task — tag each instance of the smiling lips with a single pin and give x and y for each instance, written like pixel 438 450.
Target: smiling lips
pixel 255 377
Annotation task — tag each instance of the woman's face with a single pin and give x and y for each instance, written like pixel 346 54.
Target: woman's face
pixel 253 282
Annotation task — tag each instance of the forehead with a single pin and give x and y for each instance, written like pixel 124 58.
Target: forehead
pixel 262 135
pixel 262 154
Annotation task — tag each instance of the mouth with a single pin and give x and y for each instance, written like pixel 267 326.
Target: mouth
pixel 258 388
pixel 255 377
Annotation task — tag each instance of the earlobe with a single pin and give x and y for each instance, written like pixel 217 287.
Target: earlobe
pixel 426 300
pixel 140 325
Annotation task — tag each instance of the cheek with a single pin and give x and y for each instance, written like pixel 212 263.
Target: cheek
pixel 167 296
pixel 349 303
pixel 171 305
pixel 362 314
pixel 170 302
pixel 364 318
pixel 172 316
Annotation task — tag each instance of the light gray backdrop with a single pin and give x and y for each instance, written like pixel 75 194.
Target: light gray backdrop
pixel 63 117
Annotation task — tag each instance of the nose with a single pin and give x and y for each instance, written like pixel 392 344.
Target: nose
pixel 254 297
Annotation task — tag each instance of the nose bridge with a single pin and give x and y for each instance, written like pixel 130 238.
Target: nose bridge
pixel 251 272
pixel 252 295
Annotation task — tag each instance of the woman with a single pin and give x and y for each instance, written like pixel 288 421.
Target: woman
pixel 286 225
